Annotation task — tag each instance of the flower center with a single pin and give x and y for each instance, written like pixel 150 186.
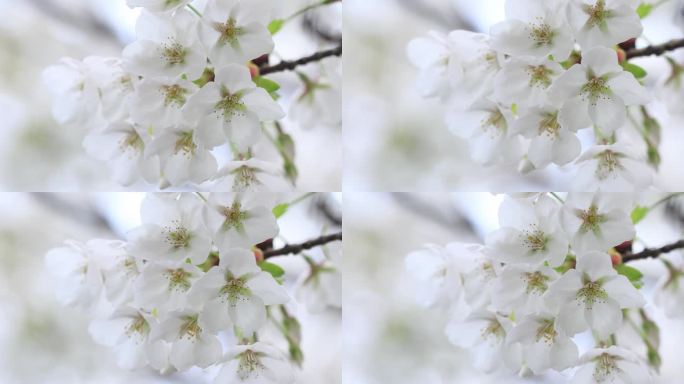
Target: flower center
pixel 129 266
pixel 540 76
pixel 190 328
pixel 174 95
pixel 536 282
pixel 234 290
pixel 229 31
pixel 249 364
pixel 234 217
pixel 244 177
pixel 591 293
pixel 185 144
pixel 541 33
pixel 608 162
pixel 178 279
pixel 133 141
pixel 230 104
pixel 535 240
pixel 173 53
pixel 138 327
pixel 598 14
pixel 596 88
pixel 493 330
pixel 591 219
pixel 494 124
pixel 178 237
pixel 606 366
pixel 547 332
pixel 549 124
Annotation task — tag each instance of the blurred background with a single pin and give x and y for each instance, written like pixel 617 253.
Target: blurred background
pixel 396 140
pixel 36 154
pixel 44 342
pixel 389 338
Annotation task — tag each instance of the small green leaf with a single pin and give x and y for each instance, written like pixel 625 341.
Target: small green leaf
pixel 280 209
pixel 514 109
pixel 638 213
pixel 634 69
pixel 633 274
pixel 269 85
pixel 644 9
pixel 271 268
pixel 275 26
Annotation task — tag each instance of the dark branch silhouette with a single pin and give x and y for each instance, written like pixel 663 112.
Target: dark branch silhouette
pixel 653 252
pixel 291 65
pixel 655 49
pixel 297 248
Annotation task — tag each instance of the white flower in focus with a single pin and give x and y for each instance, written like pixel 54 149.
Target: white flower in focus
pixel 521 288
pixel 165 47
pixel 525 82
pixel 122 147
pixel 613 365
pixel 172 230
pixel 593 295
pixel 612 168
pixel 478 277
pixel 544 344
pixel 258 363
pixel 552 135
pixel 128 330
pixel 157 5
pixel 597 221
pixel 251 175
pixel 530 233
pixel 240 220
pixel 234 104
pixel 76 95
pixel 120 269
pixel 158 102
pixel 670 289
pixel 234 31
pixel 164 287
pixel 600 88
pixel 184 154
pixel 484 333
pixel 486 126
pixel 192 341
pixel 77 271
pixel 115 87
pixel 603 22
pixel 535 28
pixel 237 292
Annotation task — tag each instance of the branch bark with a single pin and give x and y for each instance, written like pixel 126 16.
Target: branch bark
pixel 655 49
pixel 291 65
pixel 653 252
pixel 297 248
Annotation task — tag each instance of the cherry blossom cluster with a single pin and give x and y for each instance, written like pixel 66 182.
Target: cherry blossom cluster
pixel 521 94
pixel 184 96
pixel 187 288
pixel 548 276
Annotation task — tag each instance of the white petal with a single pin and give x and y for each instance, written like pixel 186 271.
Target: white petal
pixel 265 286
pixel 621 290
pixel 604 317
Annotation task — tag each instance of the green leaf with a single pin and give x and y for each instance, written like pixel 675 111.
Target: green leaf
pixel 271 268
pixel 269 85
pixel 275 26
pixel 514 109
pixel 638 213
pixel 644 9
pixel 633 274
pixel 280 209
pixel 634 69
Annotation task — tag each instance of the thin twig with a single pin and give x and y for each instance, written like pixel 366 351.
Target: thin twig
pixel 291 65
pixel 655 49
pixel 653 252
pixel 297 248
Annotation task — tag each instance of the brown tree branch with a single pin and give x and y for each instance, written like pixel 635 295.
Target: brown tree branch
pixel 297 248
pixel 653 252
pixel 291 65
pixel 655 49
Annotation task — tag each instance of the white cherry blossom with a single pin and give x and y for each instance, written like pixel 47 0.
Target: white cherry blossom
pixel 534 28
pixel 521 288
pixel 257 363
pixel 592 296
pixel 238 291
pixel 234 104
pixel 525 82
pixel 597 221
pixel 251 175
pixel 128 330
pixel 598 87
pixel 611 365
pixel 612 168
pixel 75 89
pixel 670 288
pixel 158 102
pixel 603 22
pixel 164 287
pixel 80 278
pixel 234 31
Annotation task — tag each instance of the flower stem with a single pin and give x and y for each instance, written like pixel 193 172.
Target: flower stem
pixel 653 252
pixel 291 65
pixel 193 9
pixel 297 248
pixel 655 49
